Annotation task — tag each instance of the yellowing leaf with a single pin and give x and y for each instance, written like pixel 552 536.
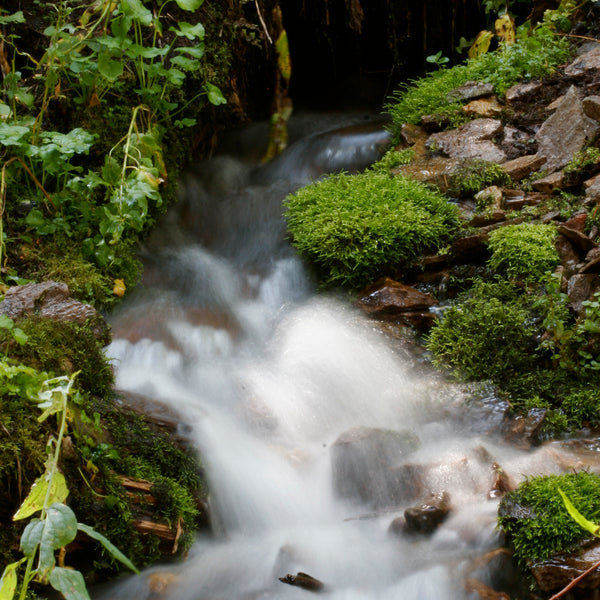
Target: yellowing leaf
pixel 283 56
pixel 37 496
pixel 505 29
pixel 119 288
pixel 481 44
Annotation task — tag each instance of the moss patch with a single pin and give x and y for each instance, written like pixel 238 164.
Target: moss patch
pixel 354 228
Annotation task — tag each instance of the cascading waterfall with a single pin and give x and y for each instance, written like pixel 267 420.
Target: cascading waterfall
pixel 265 375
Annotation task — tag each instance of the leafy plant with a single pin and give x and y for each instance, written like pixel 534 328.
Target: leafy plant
pixel 354 228
pixel 56 526
pixel 546 526
pixel 523 251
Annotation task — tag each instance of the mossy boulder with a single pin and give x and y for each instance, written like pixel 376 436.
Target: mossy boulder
pixel 356 228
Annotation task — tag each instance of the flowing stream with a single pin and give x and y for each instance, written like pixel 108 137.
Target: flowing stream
pixel 265 374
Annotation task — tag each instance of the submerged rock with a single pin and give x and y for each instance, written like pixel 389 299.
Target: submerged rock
pixel 368 466
pixel 427 516
pixel 304 581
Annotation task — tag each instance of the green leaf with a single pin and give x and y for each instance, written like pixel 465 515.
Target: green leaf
pixel 31 537
pixel 4 110
pixel 6 322
pixel 8 582
pixel 19 336
pixel 17 17
pixel 189 31
pixel 37 496
pixel 189 4
pixel 593 528
pixel 194 51
pixel 214 94
pixel 185 63
pixel 136 10
pixel 69 583
pixel 11 135
pixel 114 551
pixel 109 68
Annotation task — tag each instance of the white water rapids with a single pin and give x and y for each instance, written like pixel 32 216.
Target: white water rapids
pixel 265 374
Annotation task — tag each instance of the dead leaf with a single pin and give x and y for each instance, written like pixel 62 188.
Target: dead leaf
pixel 505 29
pixel 481 44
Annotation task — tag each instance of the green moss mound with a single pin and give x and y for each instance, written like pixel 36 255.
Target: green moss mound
pixel 354 228
pixel 536 520
pixel 523 251
pixel 485 335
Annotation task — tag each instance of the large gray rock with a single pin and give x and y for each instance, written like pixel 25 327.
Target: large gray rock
pixel 472 140
pixel 369 466
pixel 565 133
pixel 590 61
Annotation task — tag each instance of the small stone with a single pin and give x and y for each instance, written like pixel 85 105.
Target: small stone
pixel 590 61
pixel 523 166
pixel 579 240
pixel 470 91
pixel 484 107
pixel 591 107
pixel 491 196
pixel 304 581
pixel 549 183
pixel 581 287
pixel 427 516
pixel 522 90
pixel 389 296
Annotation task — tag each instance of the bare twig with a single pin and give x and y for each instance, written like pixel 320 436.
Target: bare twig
pixel 575 581
pixel 262 22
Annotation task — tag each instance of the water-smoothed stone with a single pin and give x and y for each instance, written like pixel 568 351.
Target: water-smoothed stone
pixel 369 465
pixel 470 90
pixel 557 572
pixel 565 133
pixel 581 287
pixel 391 297
pixel 52 300
pixel 429 514
pixel 523 431
pixel 304 581
pixel 472 140
pixel 522 166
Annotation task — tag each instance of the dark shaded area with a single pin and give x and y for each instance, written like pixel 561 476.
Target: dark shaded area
pixel 355 52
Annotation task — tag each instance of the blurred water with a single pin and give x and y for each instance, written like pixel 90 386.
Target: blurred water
pixel 228 331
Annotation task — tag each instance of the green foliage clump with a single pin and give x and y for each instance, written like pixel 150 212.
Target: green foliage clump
pixel 545 527
pixel 485 335
pixel 523 251
pixel 394 158
pixel 535 54
pixel 355 227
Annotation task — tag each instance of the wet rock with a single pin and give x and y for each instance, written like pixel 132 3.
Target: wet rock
pixel 52 300
pixel 472 140
pixel 522 166
pixel 590 61
pixel 304 581
pixel 558 571
pixel 470 247
pixel 592 262
pixel 577 222
pixel 565 132
pixel 521 91
pixel 592 189
pixel 549 183
pixel 491 196
pixel 367 465
pixel 160 584
pixel 501 482
pixel 580 241
pixel 569 258
pixel 591 107
pixel 483 108
pixel 470 90
pixel 524 431
pixel 427 516
pixel 438 171
pixel 580 288
pixel 389 296
pixel 483 591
